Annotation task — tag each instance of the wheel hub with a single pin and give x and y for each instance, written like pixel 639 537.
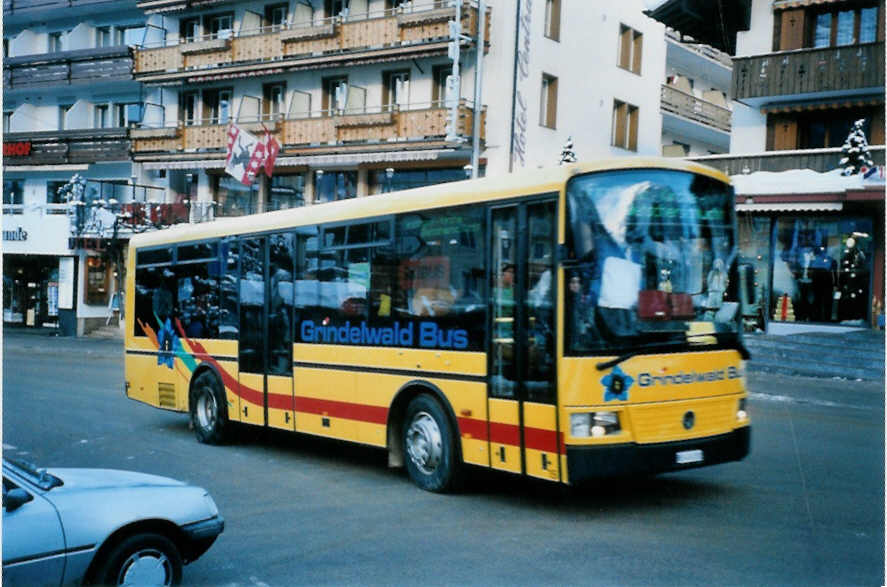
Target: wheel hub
pixel 424 443
pixel 206 410
pixel 146 567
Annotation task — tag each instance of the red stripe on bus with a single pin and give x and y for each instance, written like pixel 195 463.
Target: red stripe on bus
pixel 348 411
pixel 540 439
pixel 476 429
pixel 505 433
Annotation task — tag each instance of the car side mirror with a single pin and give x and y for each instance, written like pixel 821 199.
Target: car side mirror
pixel 15 498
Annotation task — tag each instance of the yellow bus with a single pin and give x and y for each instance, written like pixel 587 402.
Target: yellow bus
pixel 566 324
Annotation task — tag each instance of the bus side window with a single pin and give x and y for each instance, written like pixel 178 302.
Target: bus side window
pixel 229 319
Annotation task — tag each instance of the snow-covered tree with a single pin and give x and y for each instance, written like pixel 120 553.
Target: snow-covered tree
pixel 74 189
pixel 567 154
pixel 855 153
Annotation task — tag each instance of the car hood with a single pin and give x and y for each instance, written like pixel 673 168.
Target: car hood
pixel 91 479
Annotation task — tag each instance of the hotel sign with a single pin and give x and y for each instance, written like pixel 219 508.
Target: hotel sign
pixel 17 149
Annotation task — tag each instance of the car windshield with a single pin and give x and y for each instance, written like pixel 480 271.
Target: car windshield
pixel 650 258
pixel 38 476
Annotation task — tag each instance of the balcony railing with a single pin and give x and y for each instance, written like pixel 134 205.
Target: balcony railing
pixel 422 30
pixel 67 67
pixel 816 159
pixel 69 146
pixel 677 102
pixel 808 71
pixel 317 130
pixel 14 6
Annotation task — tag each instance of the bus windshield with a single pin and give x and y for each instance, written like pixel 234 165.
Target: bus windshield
pixel 650 259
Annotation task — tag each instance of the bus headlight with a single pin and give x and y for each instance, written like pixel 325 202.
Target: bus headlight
pixel 741 414
pixel 594 424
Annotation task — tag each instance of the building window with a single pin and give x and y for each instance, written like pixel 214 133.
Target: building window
pixel 631 45
pixel 219 26
pixel 101 116
pixel 397 89
pixel 13 195
pixel 190 102
pixel 96 280
pixel 548 103
pixel 189 30
pixel 275 16
pixel 122 113
pixel 55 42
pixel 103 36
pixel 131 35
pixel 217 105
pixel 335 7
pixel 234 198
pixel 383 181
pixel 330 186
pixel 63 115
pixel 625 126
pixel 7 121
pixel 273 101
pixel 52 192
pixel 839 28
pixel 287 191
pixel 440 74
pixel 553 19
pixel 335 94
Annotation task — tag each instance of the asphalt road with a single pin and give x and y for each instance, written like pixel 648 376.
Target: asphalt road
pixel 806 507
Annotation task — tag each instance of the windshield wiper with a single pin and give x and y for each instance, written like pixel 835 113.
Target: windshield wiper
pixel 728 339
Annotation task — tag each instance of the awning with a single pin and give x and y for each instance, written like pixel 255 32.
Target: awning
pixel 791 207
pixel 343 160
pixel 784 4
pixel 824 105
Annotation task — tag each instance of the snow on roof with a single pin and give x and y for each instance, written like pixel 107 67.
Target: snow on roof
pixel 805 181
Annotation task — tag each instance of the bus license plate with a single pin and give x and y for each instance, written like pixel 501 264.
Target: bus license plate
pixel 686 457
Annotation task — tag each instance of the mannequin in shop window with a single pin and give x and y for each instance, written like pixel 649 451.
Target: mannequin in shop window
pixel 853 285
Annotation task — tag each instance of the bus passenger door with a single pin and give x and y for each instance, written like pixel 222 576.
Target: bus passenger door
pixel 523 428
pixel 265 350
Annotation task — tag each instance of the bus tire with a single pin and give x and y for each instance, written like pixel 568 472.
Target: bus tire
pixel 429 446
pixel 209 412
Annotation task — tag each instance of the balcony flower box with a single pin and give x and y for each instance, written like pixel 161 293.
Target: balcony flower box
pixel 359 120
pixel 308 33
pixel 209 46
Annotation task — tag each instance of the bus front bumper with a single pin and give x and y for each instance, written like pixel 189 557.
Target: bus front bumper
pixel 585 463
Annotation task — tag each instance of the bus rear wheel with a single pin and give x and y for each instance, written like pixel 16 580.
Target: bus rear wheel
pixel 209 411
pixel 429 446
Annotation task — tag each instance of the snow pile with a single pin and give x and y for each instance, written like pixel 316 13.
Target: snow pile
pixel 804 181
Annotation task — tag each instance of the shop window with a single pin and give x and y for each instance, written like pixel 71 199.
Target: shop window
pixel 548 102
pixel 383 181
pixel 821 270
pixel 234 198
pixel 287 191
pixel 96 281
pixel 631 44
pixel 625 126
pixel 330 186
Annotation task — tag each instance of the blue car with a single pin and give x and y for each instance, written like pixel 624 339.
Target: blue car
pixel 101 526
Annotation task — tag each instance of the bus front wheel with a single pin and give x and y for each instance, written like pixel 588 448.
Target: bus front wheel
pixel 428 446
pixel 209 413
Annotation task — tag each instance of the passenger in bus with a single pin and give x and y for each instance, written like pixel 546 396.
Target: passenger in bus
pixel 580 307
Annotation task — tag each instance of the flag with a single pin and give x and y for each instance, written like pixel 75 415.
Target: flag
pixel 272 147
pixel 246 154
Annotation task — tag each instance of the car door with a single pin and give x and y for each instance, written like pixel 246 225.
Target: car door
pixel 33 541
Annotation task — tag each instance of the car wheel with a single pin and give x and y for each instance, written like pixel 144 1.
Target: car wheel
pixel 209 409
pixel 142 559
pixel 428 445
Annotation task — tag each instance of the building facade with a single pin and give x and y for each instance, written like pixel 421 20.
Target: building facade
pixel 68 98
pixel 804 71
pixel 371 96
pixel 136 98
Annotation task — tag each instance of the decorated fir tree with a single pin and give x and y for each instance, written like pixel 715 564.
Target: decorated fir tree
pixel 855 153
pixel 567 154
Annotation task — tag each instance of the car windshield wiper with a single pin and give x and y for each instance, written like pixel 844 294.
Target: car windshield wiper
pixel 729 339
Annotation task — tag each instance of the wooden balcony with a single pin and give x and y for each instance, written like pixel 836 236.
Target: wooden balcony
pixel 816 159
pixel 15 6
pixel 67 68
pixel 333 42
pixel 807 73
pixel 164 6
pixel 675 101
pixel 400 129
pixel 88 145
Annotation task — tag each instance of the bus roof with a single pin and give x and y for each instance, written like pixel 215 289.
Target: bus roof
pixel 442 195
